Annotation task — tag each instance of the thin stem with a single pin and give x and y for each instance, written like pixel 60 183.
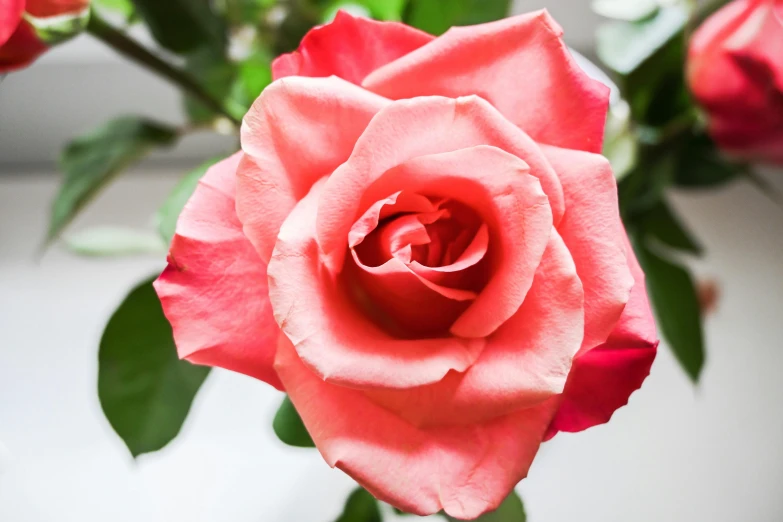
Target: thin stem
pixel 132 50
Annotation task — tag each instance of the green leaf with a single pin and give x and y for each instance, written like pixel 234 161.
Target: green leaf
pixel 354 8
pixel 511 510
pixel 624 46
pixel 385 9
pixel 114 241
pixel 627 10
pixel 701 165
pixel 255 73
pixel 437 16
pixel 361 506
pixel 676 303
pixel 92 161
pixel 124 8
pixel 664 225
pixel 144 389
pixel 53 30
pixel 217 75
pixel 183 25
pixel 289 427
pixel 167 215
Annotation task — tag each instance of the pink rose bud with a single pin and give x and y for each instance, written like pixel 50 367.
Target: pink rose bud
pixel 19 43
pixel 735 70
pixel 421 244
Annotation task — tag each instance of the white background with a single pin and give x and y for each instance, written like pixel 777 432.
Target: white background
pixel 675 454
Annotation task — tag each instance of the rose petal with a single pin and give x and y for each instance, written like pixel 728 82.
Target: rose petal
pixel 603 379
pixel 214 290
pixel 332 336
pixel 524 363
pixel 463 470
pixel 429 126
pixel 349 47
pixel 298 130
pixel 46 8
pixel 399 202
pixel 760 39
pixel 457 273
pixel 520 65
pixel 21 49
pixel 418 127
pixel 415 306
pixel 593 232
pixel 10 16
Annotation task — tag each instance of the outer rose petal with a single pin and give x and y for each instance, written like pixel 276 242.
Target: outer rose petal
pixel 520 65
pixel 422 126
pixel 594 234
pixel 332 336
pixel 349 47
pixel 45 8
pixel 464 470
pixel 525 362
pixel 214 291
pixel 603 379
pixel 298 130
pixel 21 49
pixel 10 16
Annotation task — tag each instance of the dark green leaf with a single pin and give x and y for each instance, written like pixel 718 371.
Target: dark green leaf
pixel 511 510
pixel 90 162
pixel 217 75
pixel 361 507
pixel 168 214
pixel 182 25
pixel 240 12
pixel 664 225
pixel 676 304
pixel 114 241
pixel 289 427
pixel 144 389
pixel 643 188
pixel 437 16
pixel 701 165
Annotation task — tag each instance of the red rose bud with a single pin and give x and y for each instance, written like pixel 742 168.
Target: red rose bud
pixel 29 27
pixel 735 71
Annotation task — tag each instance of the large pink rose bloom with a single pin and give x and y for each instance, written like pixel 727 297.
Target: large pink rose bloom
pixel 421 245
pixel 735 70
pixel 19 45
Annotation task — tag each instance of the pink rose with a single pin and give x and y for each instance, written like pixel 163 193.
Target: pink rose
pixel 421 245
pixel 19 45
pixel 735 70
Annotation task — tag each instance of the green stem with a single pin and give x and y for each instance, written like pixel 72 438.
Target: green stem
pixel 131 49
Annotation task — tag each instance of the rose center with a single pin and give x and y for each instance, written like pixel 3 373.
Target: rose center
pixel 420 261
